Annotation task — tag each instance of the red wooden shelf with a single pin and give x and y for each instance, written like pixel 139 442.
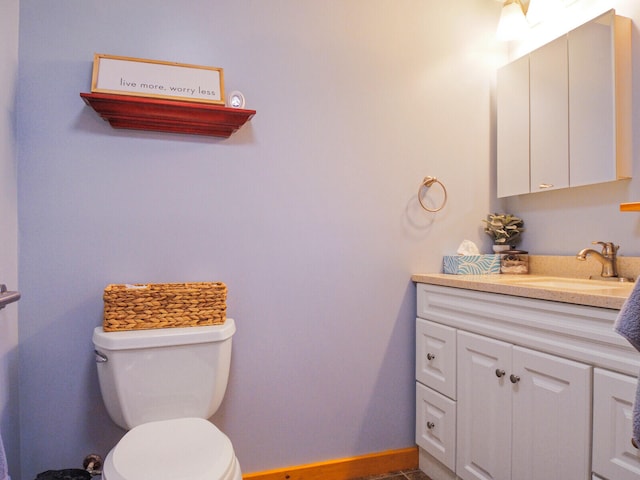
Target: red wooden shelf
pixel 172 116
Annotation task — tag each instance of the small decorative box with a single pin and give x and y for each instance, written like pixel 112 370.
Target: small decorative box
pixel 471 264
pixel 514 262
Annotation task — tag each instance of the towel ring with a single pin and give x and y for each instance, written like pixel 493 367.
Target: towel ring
pixel 427 183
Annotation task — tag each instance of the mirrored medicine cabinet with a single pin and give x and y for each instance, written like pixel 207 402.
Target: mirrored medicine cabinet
pixel 564 111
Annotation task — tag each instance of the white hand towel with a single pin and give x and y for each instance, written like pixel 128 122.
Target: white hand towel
pixel 4 468
pixel 628 325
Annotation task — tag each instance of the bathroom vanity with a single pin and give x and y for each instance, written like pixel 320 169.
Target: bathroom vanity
pixel 518 381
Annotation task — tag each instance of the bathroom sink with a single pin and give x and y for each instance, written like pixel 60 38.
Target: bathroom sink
pixel 573 284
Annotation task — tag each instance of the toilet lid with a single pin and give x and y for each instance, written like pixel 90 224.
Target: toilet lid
pixel 180 449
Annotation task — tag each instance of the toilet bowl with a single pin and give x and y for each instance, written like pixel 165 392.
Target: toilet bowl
pixel 162 385
pixel 185 448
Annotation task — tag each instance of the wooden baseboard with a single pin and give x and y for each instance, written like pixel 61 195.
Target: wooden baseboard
pixel 345 468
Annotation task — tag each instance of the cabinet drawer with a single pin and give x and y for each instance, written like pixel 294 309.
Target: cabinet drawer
pixel 436 357
pixel 436 425
pixel 614 457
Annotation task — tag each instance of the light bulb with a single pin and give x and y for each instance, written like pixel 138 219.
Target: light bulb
pixel 512 23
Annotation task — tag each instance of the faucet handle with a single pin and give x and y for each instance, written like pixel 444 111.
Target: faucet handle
pixel 608 248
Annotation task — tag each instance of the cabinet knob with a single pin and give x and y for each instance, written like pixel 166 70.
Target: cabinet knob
pixel 514 378
pixel 430 425
pixel 430 356
pixel 499 373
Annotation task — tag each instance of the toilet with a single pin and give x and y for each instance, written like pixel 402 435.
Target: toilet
pixel 162 385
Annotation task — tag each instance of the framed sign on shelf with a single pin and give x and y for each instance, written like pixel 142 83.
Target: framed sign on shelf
pixel 154 78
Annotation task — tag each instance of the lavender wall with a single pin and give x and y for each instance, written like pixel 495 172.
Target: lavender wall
pixel 9 425
pixel 309 213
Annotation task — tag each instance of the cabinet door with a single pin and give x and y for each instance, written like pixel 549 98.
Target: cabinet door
pixel 551 417
pixel 512 110
pixel 597 87
pixel 436 425
pixel 549 107
pixel 436 357
pixel 614 457
pixel 484 408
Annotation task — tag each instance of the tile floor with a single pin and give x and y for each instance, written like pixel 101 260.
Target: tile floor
pixel 402 475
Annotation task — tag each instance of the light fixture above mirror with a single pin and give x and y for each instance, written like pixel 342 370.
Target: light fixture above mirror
pixel 518 16
pixel 513 23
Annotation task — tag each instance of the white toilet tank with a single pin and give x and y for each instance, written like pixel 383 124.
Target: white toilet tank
pixel 162 374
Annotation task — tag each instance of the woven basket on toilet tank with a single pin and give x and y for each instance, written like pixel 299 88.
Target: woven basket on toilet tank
pixel 164 305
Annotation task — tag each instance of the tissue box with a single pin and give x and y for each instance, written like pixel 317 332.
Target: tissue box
pixel 471 264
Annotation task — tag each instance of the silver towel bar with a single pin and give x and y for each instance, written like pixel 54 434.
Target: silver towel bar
pixel 7 297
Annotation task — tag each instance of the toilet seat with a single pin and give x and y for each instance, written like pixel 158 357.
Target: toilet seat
pixel 183 448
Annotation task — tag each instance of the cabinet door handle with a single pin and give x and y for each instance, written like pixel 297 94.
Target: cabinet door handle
pixel 430 425
pixel 499 373
pixel 545 185
pixel 514 378
pixel 430 356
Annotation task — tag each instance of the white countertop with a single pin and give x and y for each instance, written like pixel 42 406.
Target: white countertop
pixel 610 295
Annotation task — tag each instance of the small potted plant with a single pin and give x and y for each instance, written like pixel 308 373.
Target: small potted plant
pixel 504 229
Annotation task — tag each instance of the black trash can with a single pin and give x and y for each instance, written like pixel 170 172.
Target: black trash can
pixel 68 474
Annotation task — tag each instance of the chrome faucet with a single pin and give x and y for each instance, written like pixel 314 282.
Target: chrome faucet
pixel 607 258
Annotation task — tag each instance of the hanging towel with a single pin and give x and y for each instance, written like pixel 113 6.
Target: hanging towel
pixel 628 321
pixel 628 325
pixel 4 468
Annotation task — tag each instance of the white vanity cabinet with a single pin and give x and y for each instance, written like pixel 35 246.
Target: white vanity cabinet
pixel 567 123
pixel 436 357
pixel 543 389
pixel 436 390
pixel 518 406
pixel 436 425
pixel 614 457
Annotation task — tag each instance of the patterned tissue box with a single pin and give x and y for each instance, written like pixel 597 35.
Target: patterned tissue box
pixel 471 264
